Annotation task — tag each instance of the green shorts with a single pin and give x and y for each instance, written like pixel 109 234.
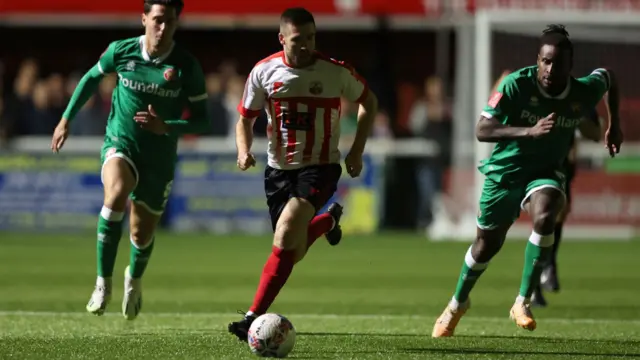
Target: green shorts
pixel 500 204
pixel 153 179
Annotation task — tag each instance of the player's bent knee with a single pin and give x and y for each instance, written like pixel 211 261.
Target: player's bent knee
pixel 142 225
pixel 140 239
pixel 488 243
pixel 286 236
pixel 291 229
pixel 545 222
pixel 119 181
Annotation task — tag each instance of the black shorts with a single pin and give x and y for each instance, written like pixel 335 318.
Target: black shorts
pixel 315 183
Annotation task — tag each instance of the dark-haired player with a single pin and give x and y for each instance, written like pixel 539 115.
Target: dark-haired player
pixel 300 90
pixel 157 80
pixel 531 117
pixel 549 277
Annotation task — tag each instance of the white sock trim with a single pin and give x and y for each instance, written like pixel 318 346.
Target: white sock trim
pixel 153 238
pixel 103 281
pixel 472 263
pixel 541 240
pixel 111 215
pixel 522 300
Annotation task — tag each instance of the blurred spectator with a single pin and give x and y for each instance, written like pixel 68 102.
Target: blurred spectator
pixel 19 103
pixel 382 126
pixel 430 118
pixel 221 123
pixel 4 134
pixel 39 119
pixel 233 96
pixel 56 94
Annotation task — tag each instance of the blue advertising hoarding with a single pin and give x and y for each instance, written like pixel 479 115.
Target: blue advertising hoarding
pixel 210 193
pixel 46 192
pixel 49 193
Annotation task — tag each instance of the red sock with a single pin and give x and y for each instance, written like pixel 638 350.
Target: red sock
pixel 274 275
pixel 319 226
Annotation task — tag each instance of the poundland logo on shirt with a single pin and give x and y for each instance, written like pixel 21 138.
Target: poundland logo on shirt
pixel 148 88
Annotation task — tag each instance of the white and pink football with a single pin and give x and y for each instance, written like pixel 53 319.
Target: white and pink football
pixel 271 335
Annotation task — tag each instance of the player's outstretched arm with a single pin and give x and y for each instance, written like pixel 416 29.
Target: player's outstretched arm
pixel 83 92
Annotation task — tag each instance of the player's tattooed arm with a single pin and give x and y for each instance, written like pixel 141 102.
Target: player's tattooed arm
pixel 492 130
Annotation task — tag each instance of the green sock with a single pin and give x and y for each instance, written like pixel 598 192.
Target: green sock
pixel 470 273
pixel 139 258
pixel 109 234
pixel 536 255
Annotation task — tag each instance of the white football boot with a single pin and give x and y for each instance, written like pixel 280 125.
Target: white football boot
pixel 100 297
pixel 132 299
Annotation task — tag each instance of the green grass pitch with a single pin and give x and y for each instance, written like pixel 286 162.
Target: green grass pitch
pixel 371 297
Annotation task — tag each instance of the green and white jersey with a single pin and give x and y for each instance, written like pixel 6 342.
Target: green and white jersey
pixel 167 83
pixel 520 101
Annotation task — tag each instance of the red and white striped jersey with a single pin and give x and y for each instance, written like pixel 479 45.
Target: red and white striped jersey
pixel 303 106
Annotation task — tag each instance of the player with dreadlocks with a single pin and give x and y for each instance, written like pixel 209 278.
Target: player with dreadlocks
pixel 531 118
pixel 157 80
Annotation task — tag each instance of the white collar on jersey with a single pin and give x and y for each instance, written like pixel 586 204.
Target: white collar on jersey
pixel 147 57
pixel 561 96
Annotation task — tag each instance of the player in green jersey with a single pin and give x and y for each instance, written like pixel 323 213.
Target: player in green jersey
pixel 531 117
pixel 157 81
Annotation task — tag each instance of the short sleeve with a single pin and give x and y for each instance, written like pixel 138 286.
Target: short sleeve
pixel 501 102
pixel 253 97
pixel 355 87
pixel 598 83
pixel 107 63
pixel 195 87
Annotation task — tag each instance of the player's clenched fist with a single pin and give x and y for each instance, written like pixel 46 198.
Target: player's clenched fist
pixel 150 121
pixel 60 135
pixel 613 140
pixel 246 161
pixel 543 126
pixel 353 163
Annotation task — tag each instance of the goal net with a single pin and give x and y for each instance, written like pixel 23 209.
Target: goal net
pixel 606 192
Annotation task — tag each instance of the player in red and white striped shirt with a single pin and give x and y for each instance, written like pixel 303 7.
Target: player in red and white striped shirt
pixel 300 89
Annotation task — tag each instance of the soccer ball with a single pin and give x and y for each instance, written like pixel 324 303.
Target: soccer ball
pixel 271 335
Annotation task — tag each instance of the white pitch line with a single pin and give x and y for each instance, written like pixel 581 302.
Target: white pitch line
pixel 319 317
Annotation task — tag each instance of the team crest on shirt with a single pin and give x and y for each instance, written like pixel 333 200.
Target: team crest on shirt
pixel 533 101
pixel 110 152
pixel 315 88
pixel 170 74
pixel 131 65
pixel 575 107
pixel 495 99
